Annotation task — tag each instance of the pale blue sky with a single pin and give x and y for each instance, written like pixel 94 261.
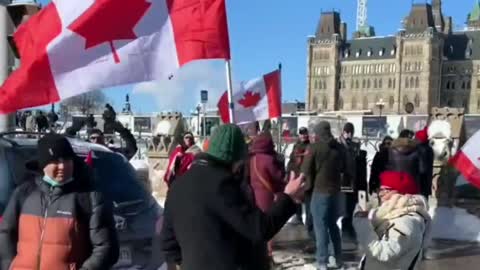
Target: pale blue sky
pixel 264 33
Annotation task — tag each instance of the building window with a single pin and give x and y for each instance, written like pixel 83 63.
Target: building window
pixel 380 83
pixel 405 100
pixel 417 101
pixel 368 84
pixel 449 103
pixel 354 103
pixel 391 102
pixel 375 83
pixel 464 85
pixel 315 85
pixel 448 85
pixel 381 52
pixel 365 103
pixel 325 103
pixel 407 84
pixel 417 82
pixel 469 84
pixel 357 84
pixel 315 103
pixel 364 84
pixel 394 82
pixel 389 83
pixel 412 81
pixel 453 86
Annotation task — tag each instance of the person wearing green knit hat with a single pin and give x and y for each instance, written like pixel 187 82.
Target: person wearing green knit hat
pixel 208 221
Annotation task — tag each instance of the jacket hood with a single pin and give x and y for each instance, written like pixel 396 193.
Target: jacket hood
pixel 404 145
pixel 263 143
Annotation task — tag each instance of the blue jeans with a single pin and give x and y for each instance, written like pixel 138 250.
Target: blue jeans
pixel 325 213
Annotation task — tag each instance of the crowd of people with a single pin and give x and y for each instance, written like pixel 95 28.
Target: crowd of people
pixel 248 195
pixel 226 203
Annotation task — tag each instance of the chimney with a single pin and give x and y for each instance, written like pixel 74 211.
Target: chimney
pixel 343 31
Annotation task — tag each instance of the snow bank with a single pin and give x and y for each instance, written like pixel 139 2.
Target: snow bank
pixel 455 224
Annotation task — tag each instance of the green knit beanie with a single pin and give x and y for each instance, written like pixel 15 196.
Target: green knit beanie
pixel 227 144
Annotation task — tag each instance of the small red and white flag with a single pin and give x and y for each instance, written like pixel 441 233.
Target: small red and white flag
pixel 72 47
pixel 256 100
pixel 467 160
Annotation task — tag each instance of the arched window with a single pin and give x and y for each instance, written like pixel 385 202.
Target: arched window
pixel 391 102
pixel 324 84
pixel 417 101
pixel 417 82
pixel 365 103
pixel 324 103
pixel 389 83
pixel 380 83
pixel 448 85
pixel 464 84
pixel 354 103
pixel 394 82
pixel 340 103
pixel 453 85
pixel 412 82
pixel 315 103
pixel 407 84
pixel 368 84
pixel 375 83
pixel 316 84
pixel 357 84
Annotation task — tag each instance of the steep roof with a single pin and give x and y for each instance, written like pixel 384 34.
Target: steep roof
pixel 463 46
pixel 375 48
pixel 475 14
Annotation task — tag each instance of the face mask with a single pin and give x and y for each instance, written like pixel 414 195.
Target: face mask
pixel 54 183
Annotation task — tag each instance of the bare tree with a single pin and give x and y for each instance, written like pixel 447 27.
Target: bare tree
pixel 88 103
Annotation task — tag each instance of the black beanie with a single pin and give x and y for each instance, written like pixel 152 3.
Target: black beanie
pixel 349 128
pixel 53 147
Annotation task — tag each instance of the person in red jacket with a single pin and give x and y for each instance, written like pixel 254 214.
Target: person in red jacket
pixel 181 159
pixel 266 172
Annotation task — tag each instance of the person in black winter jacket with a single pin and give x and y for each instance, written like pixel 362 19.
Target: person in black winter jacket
pixel 426 153
pixel 58 221
pixel 211 224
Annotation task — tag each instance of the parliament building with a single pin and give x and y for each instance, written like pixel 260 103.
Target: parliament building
pixel 425 64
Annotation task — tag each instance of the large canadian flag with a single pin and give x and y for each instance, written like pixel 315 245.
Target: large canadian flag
pixel 255 100
pixel 467 160
pixel 72 47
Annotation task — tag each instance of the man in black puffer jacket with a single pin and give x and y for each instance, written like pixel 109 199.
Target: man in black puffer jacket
pixel 58 221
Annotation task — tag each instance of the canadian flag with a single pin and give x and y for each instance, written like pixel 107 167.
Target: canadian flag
pixel 72 47
pixel 467 160
pixel 255 100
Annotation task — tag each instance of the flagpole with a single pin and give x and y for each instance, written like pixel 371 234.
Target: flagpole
pixel 231 105
pixel 280 118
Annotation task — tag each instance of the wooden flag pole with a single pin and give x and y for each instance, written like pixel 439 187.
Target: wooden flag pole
pixel 231 105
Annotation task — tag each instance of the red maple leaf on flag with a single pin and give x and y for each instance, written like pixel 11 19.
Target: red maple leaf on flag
pixel 109 20
pixel 250 99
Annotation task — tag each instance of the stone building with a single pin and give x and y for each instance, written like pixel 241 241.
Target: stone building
pixel 425 64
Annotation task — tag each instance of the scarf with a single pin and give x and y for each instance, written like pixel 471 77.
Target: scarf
pixel 397 206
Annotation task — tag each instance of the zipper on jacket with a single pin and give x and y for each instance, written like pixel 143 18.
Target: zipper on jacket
pixel 42 229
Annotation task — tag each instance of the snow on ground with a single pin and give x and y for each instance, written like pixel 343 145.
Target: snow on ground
pixel 455 224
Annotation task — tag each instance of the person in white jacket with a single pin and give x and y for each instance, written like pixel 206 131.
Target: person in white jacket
pixel 394 233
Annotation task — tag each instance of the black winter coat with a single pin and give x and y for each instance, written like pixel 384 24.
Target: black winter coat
pixel 209 223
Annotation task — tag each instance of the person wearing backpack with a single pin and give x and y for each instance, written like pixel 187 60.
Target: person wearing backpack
pixel 58 221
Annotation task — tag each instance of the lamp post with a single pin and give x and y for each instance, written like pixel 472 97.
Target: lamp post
pixel 380 105
pixel 198 108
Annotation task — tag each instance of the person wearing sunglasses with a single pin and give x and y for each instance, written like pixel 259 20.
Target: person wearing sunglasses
pixel 182 157
pixel 394 233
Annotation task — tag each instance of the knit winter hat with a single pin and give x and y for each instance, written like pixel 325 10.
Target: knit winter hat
pixel 422 135
pixel 349 128
pixel 227 144
pixel 401 182
pixel 53 147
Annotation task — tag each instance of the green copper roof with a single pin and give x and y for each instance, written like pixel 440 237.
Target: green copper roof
pixel 475 14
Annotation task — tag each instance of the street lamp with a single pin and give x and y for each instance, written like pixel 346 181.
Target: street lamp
pixel 198 108
pixel 380 105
